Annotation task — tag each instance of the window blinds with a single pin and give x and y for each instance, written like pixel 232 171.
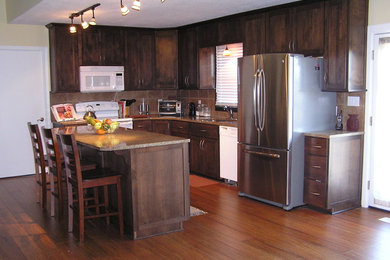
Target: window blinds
pixel 226 69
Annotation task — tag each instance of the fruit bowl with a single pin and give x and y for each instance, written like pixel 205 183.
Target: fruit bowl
pixel 105 126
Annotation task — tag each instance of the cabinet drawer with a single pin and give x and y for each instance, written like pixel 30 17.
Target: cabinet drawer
pixel 316 167
pixel 314 145
pixel 144 125
pixel 315 193
pixel 204 130
pixel 180 128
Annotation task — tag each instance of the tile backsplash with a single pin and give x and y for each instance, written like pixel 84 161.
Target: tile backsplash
pixel 342 103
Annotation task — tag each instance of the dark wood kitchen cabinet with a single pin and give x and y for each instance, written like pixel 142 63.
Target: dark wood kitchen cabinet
pixel 140 59
pixel 204 150
pixel 254 34
pixel 161 127
pixel 188 58
pixel 180 128
pixel 166 74
pixel 207 34
pixel 207 68
pixel 297 29
pixel 102 46
pixel 345 45
pixel 333 170
pixel 143 125
pixel 229 31
pixel 64 62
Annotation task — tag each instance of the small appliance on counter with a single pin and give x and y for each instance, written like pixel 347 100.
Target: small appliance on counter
pixel 169 107
pixel 192 109
pixel 143 108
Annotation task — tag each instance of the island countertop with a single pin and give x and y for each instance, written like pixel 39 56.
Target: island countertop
pixel 122 139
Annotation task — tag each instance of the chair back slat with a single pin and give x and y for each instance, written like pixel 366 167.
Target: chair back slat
pixel 36 141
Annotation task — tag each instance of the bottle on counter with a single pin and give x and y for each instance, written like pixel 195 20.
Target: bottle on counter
pixel 199 109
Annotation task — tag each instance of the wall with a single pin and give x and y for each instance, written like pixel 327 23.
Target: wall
pixel 378 12
pixel 21 35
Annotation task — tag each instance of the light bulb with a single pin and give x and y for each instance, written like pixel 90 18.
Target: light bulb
pixel 136 5
pixel 226 52
pixel 72 28
pixel 162 1
pixel 84 24
pixel 92 21
pixel 124 10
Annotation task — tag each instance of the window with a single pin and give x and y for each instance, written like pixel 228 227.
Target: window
pixel 226 67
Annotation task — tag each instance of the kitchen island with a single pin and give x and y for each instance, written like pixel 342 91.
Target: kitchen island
pixel 155 176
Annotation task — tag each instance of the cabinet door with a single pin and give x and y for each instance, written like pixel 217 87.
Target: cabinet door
pixel 335 54
pixel 207 34
pixel 146 59
pixel 161 127
pixel 166 59
pixel 204 156
pixel 112 47
pixel 90 47
pixel 64 62
pixel 254 34
pixel 207 68
pixel 132 74
pixel 279 31
pixel 309 29
pixel 143 125
pixel 188 59
pixel 229 31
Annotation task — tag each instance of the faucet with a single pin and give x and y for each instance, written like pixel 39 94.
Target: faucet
pixel 229 110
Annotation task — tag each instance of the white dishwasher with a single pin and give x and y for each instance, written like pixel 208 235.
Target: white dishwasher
pixel 228 153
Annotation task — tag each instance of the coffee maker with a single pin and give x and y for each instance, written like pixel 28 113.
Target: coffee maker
pixel 192 109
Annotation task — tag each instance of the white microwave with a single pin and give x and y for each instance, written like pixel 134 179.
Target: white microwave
pixel 101 79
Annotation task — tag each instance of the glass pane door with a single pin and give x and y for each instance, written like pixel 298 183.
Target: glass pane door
pixel 380 140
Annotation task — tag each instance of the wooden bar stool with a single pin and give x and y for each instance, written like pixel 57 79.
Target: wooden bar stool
pixel 78 183
pixel 41 175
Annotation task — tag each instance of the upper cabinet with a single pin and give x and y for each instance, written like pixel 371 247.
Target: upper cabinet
pixel 229 31
pixel 64 60
pixel 166 74
pixel 188 58
pixel 345 45
pixel 139 53
pixel 102 46
pixel 207 68
pixel 297 29
pixel 254 34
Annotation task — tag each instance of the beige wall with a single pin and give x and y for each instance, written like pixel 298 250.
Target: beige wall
pixel 378 12
pixel 21 35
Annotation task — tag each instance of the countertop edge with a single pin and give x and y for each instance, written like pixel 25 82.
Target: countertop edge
pixel 329 134
pixel 137 146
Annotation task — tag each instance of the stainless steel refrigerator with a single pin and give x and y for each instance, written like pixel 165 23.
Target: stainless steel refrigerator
pixel 280 98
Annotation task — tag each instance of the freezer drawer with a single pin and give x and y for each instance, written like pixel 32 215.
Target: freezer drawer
pixel 263 173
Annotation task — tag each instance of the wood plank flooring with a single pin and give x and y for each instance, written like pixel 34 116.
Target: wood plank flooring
pixel 234 228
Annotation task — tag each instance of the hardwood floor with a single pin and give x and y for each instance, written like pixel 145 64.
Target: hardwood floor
pixel 234 228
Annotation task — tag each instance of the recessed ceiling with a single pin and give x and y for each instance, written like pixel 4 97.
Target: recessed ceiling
pixel 153 14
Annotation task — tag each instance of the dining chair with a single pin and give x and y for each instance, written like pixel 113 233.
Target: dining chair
pixel 56 168
pixel 78 183
pixel 40 163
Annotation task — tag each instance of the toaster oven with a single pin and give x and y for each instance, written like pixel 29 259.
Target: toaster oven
pixel 169 107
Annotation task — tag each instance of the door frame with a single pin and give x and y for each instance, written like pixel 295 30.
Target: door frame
pixel 373 30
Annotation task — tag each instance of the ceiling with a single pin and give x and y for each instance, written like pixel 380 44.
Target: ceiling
pixel 153 14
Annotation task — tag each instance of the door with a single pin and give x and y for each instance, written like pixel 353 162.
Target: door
pixel 264 101
pixel 24 98
pixel 263 173
pixel 379 193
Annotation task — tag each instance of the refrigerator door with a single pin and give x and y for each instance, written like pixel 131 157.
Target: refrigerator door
pixel 264 174
pixel 265 101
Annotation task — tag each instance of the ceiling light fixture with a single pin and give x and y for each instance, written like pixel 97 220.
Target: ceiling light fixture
pixel 84 24
pixel 162 1
pixel 92 21
pixel 136 5
pixel 124 9
pixel 72 27
pixel 226 52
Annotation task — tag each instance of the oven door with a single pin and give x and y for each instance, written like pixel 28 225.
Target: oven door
pixel 167 108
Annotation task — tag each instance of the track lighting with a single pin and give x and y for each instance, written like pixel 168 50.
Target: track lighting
pixel 84 24
pixel 162 1
pixel 124 9
pixel 92 21
pixel 136 5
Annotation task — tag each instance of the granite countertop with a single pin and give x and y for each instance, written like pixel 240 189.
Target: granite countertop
pixel 202 120
pixel 122 139
pixel 332 134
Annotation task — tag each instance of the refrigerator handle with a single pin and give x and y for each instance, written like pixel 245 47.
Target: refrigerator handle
pixel 262 154
pixel 263 97
pixel 255 100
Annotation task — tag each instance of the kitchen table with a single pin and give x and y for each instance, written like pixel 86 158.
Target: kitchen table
pixel 155 179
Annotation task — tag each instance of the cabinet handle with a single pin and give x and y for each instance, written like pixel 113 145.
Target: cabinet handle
pixel 326 77
pixel 317 146
pixel 289 46
pixel 316 166
pixel 142 81
pixel 139 82
pixel 203 131
pixel 315 193
pixel 293 46
pixel 180 127
pixel 140 126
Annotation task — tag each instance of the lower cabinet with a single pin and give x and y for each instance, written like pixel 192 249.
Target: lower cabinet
pixel 161 127
pixel 143 125
pixel 333 171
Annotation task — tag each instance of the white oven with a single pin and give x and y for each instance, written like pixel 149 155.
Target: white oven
pixel 101 79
